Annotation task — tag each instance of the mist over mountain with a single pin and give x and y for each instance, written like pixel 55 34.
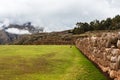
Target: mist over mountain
pixel 9 33
pixel 26 28
pixel 7 38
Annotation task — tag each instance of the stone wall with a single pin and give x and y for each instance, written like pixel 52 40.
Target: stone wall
pixel 104 50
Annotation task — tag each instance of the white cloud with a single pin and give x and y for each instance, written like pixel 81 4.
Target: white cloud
pixel 17 31
pixel 4 23
pixel 57 14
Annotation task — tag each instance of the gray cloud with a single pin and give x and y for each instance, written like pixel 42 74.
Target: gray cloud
pixel 57 14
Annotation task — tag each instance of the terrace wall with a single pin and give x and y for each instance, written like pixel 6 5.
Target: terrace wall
pixel 103 50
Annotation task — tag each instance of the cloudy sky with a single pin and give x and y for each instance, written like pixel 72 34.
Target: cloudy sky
pixel 57 15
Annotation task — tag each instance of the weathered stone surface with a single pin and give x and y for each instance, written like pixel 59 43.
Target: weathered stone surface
pixel 104 51
pixel 115 52
pixel 113 59
pixel 112 74
pixel 118 44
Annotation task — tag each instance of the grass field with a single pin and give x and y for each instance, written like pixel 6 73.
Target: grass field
pixel 45 63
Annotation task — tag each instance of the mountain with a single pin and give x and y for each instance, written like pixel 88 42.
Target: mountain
pixel 29 34
pixel 7 38
pixel 10 33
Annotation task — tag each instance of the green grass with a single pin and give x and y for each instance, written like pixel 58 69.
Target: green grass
pixel 48 62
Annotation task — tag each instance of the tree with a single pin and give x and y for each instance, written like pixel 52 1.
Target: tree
pixel 108 24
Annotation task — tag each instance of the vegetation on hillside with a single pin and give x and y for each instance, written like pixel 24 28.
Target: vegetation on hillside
pixel 47 38
pixel 108 24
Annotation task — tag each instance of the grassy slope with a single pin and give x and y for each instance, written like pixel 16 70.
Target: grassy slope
pixel 45 63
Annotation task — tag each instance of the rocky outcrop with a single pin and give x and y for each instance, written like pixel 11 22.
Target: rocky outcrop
pixel 7 38
pixel 103 50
